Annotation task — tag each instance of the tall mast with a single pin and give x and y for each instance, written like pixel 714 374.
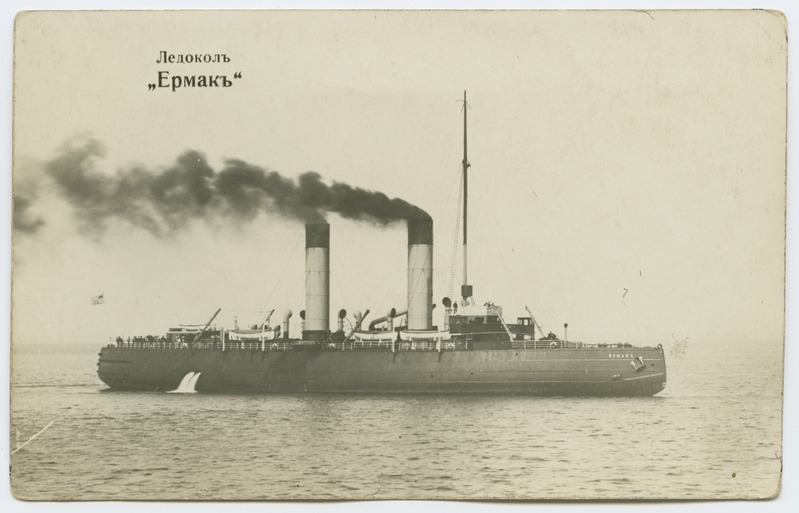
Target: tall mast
pixel 466 289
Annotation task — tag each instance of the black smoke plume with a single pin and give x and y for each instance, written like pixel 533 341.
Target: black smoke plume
pixel 165 201
pixel 24 222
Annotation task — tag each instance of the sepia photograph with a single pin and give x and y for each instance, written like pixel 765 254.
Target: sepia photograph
pixel 381 255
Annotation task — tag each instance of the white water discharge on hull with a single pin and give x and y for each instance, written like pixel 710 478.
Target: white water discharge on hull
pixel 187 384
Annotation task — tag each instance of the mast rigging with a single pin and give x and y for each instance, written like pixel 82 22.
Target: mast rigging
pixel 466 289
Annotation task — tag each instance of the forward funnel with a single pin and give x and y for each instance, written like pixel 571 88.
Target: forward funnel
pixel 420 274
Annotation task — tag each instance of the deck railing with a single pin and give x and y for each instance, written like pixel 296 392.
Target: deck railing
pixel 210 344
pixel 349 345
pixel 547 344
pixel 403 345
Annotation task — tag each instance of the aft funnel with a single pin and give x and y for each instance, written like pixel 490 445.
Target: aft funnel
pixel 317 281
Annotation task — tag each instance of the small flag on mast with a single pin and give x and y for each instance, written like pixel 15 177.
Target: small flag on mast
pixel 98 300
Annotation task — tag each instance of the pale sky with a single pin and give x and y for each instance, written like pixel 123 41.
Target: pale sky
pixel 627 172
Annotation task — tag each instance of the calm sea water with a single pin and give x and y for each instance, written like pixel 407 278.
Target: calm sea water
pixel 714 432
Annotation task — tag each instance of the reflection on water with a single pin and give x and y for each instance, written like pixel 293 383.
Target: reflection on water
pixel 714 419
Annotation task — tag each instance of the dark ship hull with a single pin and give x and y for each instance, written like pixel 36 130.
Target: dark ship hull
pixel 555 372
